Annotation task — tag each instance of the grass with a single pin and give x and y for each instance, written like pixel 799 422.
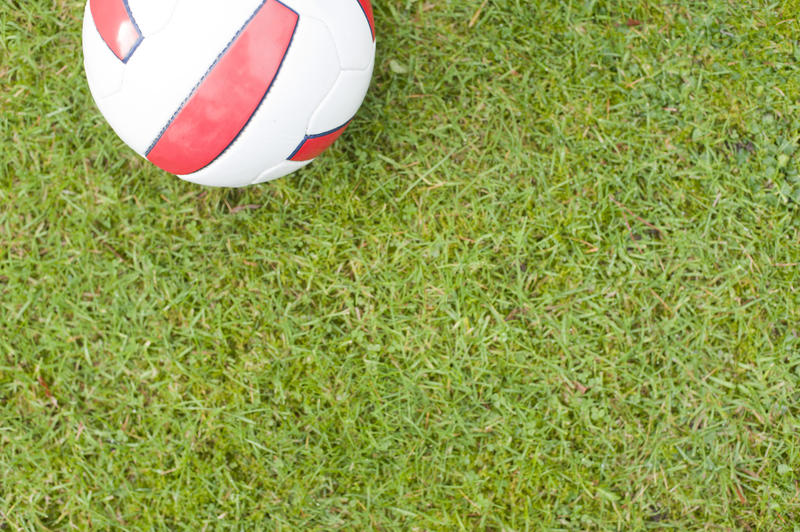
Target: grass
pixel 548 280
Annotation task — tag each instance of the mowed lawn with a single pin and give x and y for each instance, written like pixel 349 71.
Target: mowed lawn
pixel 548 280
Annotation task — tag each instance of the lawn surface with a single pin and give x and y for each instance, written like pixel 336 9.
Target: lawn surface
pixel 548 280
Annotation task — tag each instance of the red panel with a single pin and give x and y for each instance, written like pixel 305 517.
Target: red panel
pixel 314 145
pixel 367 7
pixel 116 26
pixel 226 99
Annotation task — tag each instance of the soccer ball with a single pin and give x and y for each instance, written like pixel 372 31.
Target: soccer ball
pixel 229 93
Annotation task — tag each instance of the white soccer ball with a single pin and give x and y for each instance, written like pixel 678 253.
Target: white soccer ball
pixel 229 93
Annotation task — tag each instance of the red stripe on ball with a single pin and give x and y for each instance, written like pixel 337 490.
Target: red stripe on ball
pixel 313 145
pixel 116 26
pixel 226 99
pixel 367 7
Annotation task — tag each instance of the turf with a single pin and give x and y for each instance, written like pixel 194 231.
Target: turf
pixel 548 280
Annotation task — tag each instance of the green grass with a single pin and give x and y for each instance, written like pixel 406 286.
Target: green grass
pixel 548 280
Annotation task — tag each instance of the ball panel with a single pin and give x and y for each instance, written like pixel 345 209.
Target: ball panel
pixel 150 16
pixel 307 75
pixel 342 102
pixel 313 145
pixel 366 7
pixel 281 170
pixel 167 67
pixel 229 95
pixel 116 27
pixel 348 25
pixel 104 70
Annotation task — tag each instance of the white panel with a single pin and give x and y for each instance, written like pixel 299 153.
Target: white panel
pixel 283 169
pixel 343 102
pixel 104 70
pixel 152 16
pixel 166 67
pixel 349 26
pixel 308 72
